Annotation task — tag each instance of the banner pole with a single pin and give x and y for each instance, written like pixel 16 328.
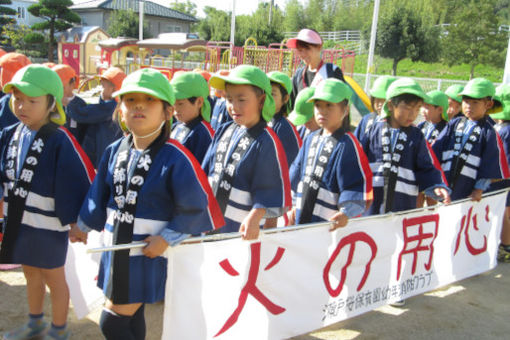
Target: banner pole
pixel 228 236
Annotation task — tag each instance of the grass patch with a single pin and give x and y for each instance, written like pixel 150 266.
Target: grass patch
pixel 429 70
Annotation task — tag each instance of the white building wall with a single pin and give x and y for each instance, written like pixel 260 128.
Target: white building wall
pixel 24 17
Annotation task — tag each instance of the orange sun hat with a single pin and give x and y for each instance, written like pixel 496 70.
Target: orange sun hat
pixel 10 64
pixel 49 64
pixel 66 73
pixel 115 75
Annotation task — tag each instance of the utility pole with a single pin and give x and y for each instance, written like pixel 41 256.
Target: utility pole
pixel 506 74
pixel 371 49
pixel 140 20
pixel 271 12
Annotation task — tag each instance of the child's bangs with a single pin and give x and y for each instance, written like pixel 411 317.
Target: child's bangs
pixel 406 98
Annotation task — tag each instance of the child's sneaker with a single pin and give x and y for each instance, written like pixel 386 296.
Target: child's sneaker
pixel 57 333
pixel 64 335
pixel 503 254
pixel 399 303
pixel 26 332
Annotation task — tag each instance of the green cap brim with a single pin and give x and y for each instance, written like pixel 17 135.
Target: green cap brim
pixel 379 93
pixel 218 82
pixel 420 94
pixel 268 110
pixel 298 119
pixel 138 89
pixel 34 91
pixel 501 115
pixel 29 89
pixel 327 97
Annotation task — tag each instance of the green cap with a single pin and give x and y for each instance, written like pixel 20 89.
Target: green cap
pixel 479 88
pixel 248 75
pixel 36 80
pixel 331 90
pixel 453 91
pixel 191 84
pixel 148 81
pixel 284 80
pixel 303 110
pixel 281 78
pixel 403 86
pixel 438 98
pixel 380 86
pixel 497 106
pixel 503 92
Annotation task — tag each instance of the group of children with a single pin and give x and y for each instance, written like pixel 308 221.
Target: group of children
pixel 257 154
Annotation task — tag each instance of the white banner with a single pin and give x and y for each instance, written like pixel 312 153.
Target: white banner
pixel 81 276
pixel 290 283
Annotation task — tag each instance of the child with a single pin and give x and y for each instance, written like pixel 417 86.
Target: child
pixel 454 101
pixel 46 176
pixel 469 149
pixel 212 99
pixel 246 163
pixel 10 63
pixel 331 178
pixel 193 112
pixel 435 110
pixel 302 115
pixel 96 119
pixel 308 47
pixel 281 86
pixel 400 158
pixel 148 188
pixel 219 113
pixel 503 129
pixel 377 98
pixel 70 82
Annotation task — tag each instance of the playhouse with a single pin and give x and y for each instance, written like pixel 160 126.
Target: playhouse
pixel 79 48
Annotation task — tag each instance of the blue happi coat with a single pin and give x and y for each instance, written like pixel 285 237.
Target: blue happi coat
pixel 347 178
pixel 6 116
pixel 59 185
pixel 288 135
pixel 503 129
pixel 175 197
pixel 197 140
pixel 261 179
pixel 219 114
pixel 486 161
pixel 418 169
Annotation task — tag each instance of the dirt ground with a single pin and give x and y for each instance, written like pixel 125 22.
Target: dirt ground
pixel 475 308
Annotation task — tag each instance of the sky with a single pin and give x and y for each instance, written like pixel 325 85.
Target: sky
pixel 242 6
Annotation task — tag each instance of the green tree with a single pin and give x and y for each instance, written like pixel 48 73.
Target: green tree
pixel 24 39
pixel 215 26
pixel 402 34
pixel 294 18
pixel 125 24
pixel 352 16
pixel 473 36
pixel 257 26
pixel 5 12
pixel 187 7
pixel 58 17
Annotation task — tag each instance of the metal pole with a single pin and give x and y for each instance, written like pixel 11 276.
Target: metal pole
pixel 506 74
pixel 140 20
pixel 232 31
pixel 371 50
pixel 271 11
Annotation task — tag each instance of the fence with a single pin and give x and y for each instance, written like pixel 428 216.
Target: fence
pixel 334 35
pixel 428 84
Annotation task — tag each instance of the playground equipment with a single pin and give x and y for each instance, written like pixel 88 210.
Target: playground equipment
pixel 78 48
pixel 187 52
